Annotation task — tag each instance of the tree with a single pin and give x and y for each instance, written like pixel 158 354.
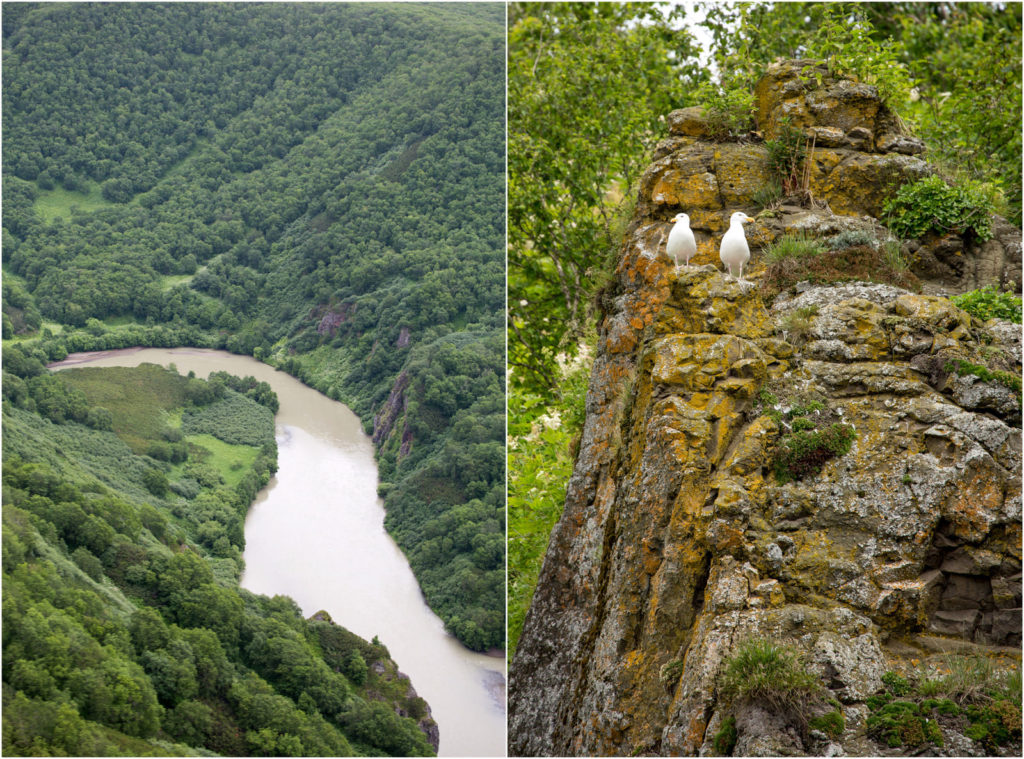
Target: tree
pixel 587 86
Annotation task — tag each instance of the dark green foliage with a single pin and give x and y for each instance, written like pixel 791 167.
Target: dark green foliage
pixel 155 482
pixel 985 374
pixel 988 303
pixel 832 723
pixel 162 649
pixel 376 724
pixel 896 683
pixel 87 562
pixel 930 204
pixel 331 178
pixel 994 724
pixel 355 668
pixel 904 723
pixel 233 419
pixel 803 453
pixel 725 738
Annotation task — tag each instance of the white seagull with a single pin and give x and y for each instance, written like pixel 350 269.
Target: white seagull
pixel 734 250
pixel 680 240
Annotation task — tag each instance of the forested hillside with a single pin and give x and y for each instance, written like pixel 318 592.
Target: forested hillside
pixel 125 631
pixel 320 186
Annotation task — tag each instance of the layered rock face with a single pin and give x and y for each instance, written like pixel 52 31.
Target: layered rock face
pixel 680 538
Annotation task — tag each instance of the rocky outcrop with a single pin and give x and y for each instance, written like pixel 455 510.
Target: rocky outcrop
pixel 683 534
pixel 384 420
pixel 857 153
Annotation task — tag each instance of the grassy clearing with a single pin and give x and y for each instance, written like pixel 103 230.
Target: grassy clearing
pixel 230 461
pixel 170 281
pixel 137 398
pixel 58 203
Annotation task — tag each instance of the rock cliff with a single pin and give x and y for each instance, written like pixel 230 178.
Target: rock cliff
pixel 830 481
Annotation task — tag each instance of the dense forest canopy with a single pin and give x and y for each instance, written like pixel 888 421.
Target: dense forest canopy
pixel 125 630
pixel 318 185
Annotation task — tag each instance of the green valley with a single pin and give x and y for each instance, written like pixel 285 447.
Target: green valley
pixel 320 186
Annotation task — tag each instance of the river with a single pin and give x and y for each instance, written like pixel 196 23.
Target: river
pixel 316 533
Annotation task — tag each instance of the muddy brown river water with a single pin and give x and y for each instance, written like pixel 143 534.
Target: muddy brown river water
pixel 316 533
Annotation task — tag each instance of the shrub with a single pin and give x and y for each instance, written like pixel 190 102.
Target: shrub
pixel 727 108
pixel 988 303
pixel 932 205
pixel 87 562
pixel 805 453
pixel 851 238
pixel 786 159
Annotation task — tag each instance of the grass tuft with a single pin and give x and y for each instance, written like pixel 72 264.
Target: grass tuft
pixel 771 673
pixel 793 245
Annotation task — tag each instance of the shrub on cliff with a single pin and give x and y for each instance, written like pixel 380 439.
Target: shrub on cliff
pixel 988 303
pixel 931 205
pixel 804 453
pixel 773 674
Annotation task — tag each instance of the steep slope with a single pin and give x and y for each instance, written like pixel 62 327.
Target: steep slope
pixel 125 630
pixel 831 481
pixel 320 186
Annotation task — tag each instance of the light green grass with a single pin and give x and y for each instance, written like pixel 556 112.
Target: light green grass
pixel 137 398
pixel 173 280
pixel 793 245
pixel 57 203
pixel 231 461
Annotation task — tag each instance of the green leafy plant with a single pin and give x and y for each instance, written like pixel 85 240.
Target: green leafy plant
pixel 540 459
pixel 728 108
pixel 988 303
pixel 930 204
pixel 963 368
pixel 786 156
pixel 844 39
